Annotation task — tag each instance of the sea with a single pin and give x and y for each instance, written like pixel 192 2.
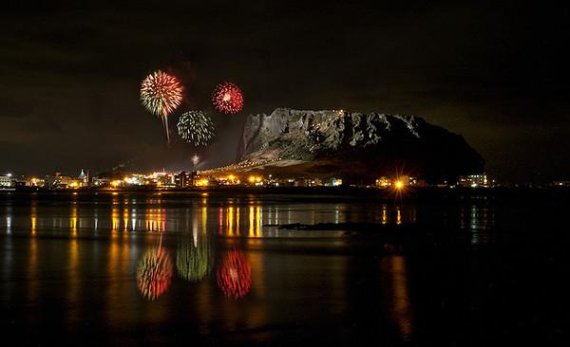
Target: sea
pixel 260 267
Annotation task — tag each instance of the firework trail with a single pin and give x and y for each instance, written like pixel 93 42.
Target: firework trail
pixel 196 127
pixel 161 94
pixel 227 98
pixel 154 273
pixel 234 275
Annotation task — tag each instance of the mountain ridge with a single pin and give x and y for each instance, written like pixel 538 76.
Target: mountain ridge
pixel 357 145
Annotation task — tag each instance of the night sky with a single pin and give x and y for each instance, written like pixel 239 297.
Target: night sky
pixel 496 73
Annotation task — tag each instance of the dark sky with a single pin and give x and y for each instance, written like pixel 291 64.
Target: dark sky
pixel 494 72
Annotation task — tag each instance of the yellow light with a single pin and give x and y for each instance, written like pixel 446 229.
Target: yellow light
pixel 202 182
pixel 251 179
pixel 399 185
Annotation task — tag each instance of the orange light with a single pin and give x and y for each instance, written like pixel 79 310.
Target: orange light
pixel 399 185
pixel 202 182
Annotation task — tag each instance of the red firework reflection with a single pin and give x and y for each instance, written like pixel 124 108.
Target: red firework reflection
pixel 154 273
pixel 234 275
pixel 227 98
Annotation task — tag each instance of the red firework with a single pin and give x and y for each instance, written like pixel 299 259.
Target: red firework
pixel 234 275
pixel 227 98
pixel 154 273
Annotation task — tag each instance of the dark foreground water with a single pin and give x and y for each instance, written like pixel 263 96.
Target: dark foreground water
pixel 216 269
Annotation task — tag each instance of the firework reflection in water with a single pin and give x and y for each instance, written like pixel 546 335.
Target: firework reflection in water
pixel 234 275
pixel 154 273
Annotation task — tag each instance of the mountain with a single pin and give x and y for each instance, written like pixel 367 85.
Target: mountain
pixel 355 146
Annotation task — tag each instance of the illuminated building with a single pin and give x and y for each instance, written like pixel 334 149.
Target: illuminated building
pixel 228 180
pixel 398 182
pixel 6 182
pixel 34 182
pixel 255 180
pixel 383 182
pixel 335 182
pixel 163 179
pixel 181 180
pixel 57 181
pixel 83 178
pixel 202 182
pixel 100 181
pixel 475 181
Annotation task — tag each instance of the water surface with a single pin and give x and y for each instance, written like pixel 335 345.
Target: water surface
pixel 216 269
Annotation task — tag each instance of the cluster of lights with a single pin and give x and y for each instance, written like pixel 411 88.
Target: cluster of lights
pixel 246 164
pixel 203 182
pixel 399 183
pixel 257 180
pixel 230 179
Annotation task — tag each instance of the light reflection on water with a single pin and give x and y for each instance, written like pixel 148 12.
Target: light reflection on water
pixel 218 264
pixel 232 219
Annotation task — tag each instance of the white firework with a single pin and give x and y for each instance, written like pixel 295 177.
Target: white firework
pixel 196 127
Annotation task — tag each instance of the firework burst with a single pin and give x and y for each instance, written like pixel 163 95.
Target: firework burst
pixel 161 94
pixel 196 127
pixel 227 98
pixel 154 273
pixel 234 275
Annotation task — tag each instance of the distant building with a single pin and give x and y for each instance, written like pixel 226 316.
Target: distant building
pixel 34 182
pixel 182 180
pixel 163 179
pixel 84 178
pixel 57 181
pixel 400 181
pixel 100 181
pixel 475 181
pixel 383 182
pixel 6 181
pixel 334 182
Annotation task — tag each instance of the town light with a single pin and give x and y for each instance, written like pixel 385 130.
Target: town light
pixel 399 185
pixel 202 182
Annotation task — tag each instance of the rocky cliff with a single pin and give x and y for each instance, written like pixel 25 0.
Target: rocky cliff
pixel 356 145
